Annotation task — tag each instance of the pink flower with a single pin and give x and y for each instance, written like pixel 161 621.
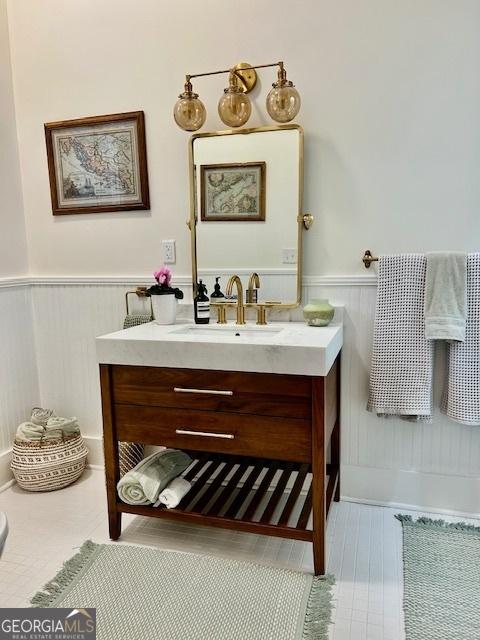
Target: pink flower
pixel 163 276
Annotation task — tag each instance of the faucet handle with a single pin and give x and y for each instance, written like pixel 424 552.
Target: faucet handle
pixel 221 312
pixel 261 314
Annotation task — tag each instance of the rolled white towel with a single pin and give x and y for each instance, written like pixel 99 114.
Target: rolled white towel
pixel 144 483
pixel 173 493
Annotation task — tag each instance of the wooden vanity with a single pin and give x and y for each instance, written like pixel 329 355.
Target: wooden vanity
pixel 266 446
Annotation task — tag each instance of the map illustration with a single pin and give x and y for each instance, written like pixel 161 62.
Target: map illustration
pixel 233 192
pixel 97 165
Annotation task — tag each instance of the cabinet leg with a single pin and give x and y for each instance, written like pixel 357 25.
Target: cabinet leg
pixel 319 563
pixel 335 440
pixel 335 444
pixel 110 448
pixel 114 524
pixel 318 476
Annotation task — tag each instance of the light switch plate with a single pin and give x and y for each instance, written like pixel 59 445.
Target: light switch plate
pixel 168 251
pixel 289 256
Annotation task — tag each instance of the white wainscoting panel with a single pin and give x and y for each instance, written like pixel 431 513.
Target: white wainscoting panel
pixel 69 316
pixel 67 320
pixel 19 390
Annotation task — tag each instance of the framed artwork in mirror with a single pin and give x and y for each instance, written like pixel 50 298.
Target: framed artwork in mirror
pixel 98 164
pixel 232 192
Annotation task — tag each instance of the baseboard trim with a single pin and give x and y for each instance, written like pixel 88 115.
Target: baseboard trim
pixel 94 445
pixel 411 507
pixel 7 485
pixel 6 475
pixel 412 490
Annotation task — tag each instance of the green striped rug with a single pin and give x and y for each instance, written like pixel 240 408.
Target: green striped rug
pixel 441 567
pixel 142 593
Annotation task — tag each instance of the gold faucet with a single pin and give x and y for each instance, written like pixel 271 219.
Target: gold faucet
pixel 240 306
pixel 253 282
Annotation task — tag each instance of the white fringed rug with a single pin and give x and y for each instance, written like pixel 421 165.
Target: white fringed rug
pixel 142 593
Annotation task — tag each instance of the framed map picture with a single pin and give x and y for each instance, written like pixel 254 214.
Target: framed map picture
pixel 98 164
pixel 232 192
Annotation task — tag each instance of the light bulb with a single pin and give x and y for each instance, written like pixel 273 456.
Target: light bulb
pixel 283 100
pixel 234 107
pixel 189 112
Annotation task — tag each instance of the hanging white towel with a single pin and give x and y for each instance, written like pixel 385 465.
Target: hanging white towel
pixel 402 358
pixel 446 296
pixel 461 399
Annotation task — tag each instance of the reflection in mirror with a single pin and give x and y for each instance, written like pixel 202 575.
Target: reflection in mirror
pixel 247 189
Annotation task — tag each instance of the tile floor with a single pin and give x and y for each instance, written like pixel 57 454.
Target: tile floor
pixel 364 551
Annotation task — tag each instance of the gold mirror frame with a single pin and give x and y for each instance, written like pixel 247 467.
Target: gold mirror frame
pixel 301 218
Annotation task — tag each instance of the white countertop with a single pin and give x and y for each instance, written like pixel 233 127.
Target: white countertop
pixel 279 347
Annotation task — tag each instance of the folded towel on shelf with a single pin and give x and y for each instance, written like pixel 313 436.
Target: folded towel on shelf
pixel 144 483
pixel 173 493
pixel 461 399
pixel 402 358
pixel 56 427
pixel 446 296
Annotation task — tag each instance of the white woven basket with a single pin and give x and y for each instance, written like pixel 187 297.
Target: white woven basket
pixel 48 464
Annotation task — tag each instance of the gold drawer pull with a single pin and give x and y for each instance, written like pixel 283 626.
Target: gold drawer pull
pixel 212 391
pixel 207 434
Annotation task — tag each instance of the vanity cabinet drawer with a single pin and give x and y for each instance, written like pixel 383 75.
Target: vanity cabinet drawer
pixel 246 435
pixel 249 393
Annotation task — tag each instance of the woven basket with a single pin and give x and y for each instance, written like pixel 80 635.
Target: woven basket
pixel 50 464
pixel 130 454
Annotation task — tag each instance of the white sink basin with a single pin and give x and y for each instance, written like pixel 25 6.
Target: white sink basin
pixel 239 331
pixel 279 347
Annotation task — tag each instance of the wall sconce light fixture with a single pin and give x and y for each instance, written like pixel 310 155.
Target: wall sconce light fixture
pixel 234 106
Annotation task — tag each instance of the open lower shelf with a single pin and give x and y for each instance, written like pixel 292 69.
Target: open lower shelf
pixel 250 494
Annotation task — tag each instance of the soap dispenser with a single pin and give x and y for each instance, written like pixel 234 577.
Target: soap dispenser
pixel 217 295
pixel 201 305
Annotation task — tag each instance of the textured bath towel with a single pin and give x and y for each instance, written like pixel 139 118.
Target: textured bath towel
pixel 402 358
pixel 461 400
pixel 144 483
pixel 446 296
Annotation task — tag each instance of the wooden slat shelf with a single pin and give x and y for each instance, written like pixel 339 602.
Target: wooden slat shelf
pixel 223 494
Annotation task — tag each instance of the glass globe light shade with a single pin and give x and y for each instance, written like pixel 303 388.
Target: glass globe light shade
pixel 234 107
pixel 283 102
pixel 189 112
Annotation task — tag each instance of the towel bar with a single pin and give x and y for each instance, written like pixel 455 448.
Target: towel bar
pixel 368 259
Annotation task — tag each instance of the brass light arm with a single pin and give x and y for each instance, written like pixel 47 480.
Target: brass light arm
pixel 240 306
pixel 216 73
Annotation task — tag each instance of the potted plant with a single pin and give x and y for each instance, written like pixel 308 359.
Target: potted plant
pixel 164 297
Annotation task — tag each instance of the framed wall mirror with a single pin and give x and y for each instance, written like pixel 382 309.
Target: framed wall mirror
pixel 246 193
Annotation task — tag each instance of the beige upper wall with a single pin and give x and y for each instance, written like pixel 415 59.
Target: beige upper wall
pixel 391 104
pixel 13 248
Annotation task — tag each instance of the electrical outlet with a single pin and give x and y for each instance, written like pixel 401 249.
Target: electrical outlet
pixel 289 256
pixel 168 250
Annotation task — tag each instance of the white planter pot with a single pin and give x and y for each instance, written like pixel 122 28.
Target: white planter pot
pixel 164 308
